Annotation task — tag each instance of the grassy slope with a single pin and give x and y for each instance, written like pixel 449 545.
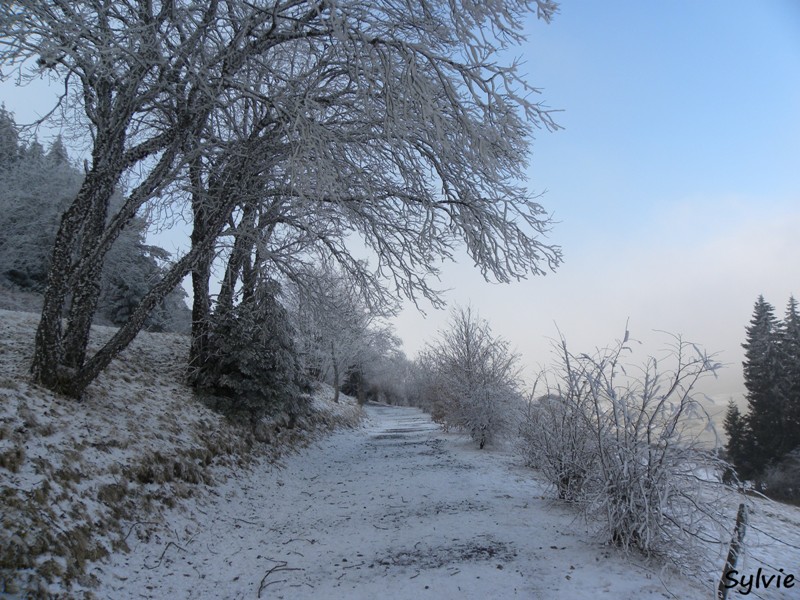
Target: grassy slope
pixel 77 479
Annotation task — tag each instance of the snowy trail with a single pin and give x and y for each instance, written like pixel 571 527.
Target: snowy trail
pixel 396 509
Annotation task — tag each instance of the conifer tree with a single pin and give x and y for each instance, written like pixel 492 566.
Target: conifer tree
pixel 9 138
pixel 739 445
pixel 36 187
pixel 57 154
pixel 765 418
pixel 790 375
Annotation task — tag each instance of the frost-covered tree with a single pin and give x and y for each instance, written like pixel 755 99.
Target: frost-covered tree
pixel 338 331
pixel 35 189
pixel 387 378
pixel 401 125
pixel 9 139
pixel 131 268
pixel 477 377
pixel 58 154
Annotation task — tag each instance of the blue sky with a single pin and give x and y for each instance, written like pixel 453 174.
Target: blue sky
pixel 676 179
pixel 675 182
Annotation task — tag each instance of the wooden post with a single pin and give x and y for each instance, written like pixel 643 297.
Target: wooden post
pixel 734 551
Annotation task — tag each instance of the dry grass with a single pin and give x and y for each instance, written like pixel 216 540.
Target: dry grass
pixel 77 477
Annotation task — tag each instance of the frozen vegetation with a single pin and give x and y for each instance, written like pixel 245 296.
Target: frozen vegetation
pixel 191 456
pixel 75 477
pixel 140 491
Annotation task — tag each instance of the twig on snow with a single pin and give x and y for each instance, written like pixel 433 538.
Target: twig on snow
pixel 161 558
pixel 310 541
pixel 134 526
pixel 280 566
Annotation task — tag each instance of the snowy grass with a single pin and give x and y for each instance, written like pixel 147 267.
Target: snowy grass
pixel 140 491
pixel 395 510
pixel 81 480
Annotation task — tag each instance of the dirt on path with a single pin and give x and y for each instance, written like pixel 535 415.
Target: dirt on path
pixel 395 509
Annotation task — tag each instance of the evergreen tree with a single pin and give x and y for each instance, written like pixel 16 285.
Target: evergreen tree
pixel 739 446
pixel 790 375
pixel 9 139
pixel 253 368
pixel 34 151
pixel 35 190
pixel 762 370
pixel 57 154
pixel 131 269
pixel 33 194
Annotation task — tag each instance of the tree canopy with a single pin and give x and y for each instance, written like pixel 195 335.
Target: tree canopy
pixel 396 123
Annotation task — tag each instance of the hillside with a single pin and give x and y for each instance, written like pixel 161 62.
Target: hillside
pixel 78 479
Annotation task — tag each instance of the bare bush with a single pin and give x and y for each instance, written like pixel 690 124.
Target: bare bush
pixel 627 443
pixel 557 440
pixel 476 376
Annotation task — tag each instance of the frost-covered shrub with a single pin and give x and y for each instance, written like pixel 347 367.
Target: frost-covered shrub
pixel 252 366
pixel 624 441
pixel 426 390
pixel 558 441
pixel 473 378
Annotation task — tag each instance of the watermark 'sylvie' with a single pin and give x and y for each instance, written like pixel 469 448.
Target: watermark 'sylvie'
pixel 746 583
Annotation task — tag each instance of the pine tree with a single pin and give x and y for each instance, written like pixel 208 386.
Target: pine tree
pixel 765 418
pixel 33 195
pixel 35 190
pixel 790 375
pixel 9 139
pixel 57 153
pixel 739 446
pixel 253 367
pixel 34 152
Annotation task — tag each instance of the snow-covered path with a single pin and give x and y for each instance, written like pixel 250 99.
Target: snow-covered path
pixel 396 509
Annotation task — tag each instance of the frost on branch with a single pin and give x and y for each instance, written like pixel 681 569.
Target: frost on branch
pixel 399 124
pixel 626 442
pixel 474 377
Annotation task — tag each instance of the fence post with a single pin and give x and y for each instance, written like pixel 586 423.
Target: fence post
pixel 734 550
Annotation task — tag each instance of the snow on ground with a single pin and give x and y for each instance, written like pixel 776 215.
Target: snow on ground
pixel 772 542
pixel 76 476
pixel 155 496
pixel 397 509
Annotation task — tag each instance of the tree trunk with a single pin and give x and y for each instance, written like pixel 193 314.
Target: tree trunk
pixel 86 290
pixel 78 383
pixel 201 274
pixel 49 345
pixel 242 247
pixel 98 237
pixel 83 232
pixel 201 313
pixel 201 251
pixel 335 374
